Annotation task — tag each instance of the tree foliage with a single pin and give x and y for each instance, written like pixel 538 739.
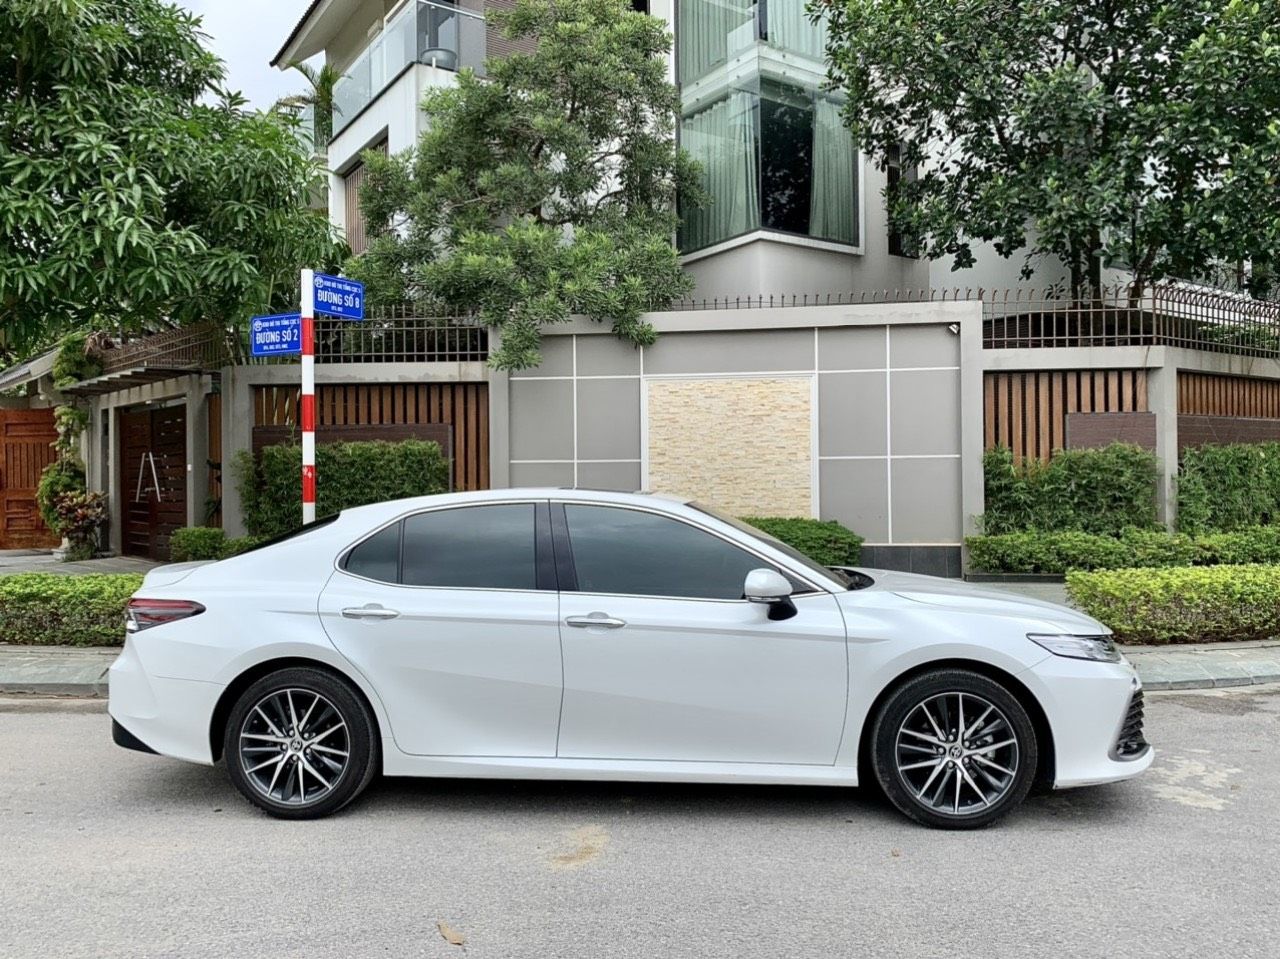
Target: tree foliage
pixel 1137 132
pixel 134 191
pixel 546 190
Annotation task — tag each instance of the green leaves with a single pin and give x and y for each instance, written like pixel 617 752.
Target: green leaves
pixel 546 191
pixel 825 542
pixel 1097 132
pixel 46 609
pixel 134 193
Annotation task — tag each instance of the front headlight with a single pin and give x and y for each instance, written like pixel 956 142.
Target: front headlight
pixel 1099 648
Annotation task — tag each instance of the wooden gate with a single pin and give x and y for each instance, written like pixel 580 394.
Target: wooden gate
pixel 153 479
pixel 26 438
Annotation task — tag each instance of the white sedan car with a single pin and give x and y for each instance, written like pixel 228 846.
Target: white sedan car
pixel 573 634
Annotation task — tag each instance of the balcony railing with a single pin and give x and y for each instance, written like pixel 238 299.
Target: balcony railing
pixel 423 32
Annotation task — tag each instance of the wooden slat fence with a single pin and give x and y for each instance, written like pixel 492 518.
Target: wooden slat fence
pixel 1211 394
pixel 1027 411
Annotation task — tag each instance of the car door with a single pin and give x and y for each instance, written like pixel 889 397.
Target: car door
pixel 451 614
pixel 664 660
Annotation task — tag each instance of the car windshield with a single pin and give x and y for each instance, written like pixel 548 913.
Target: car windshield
pixel 800 558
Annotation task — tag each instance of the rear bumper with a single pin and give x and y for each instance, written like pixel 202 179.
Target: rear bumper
pixel 122 737
pixel 170 717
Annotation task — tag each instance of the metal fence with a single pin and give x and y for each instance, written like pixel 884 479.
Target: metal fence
pixel 202 346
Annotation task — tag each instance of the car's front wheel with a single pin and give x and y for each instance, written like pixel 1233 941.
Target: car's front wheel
pixel 300 743
pixel 954 749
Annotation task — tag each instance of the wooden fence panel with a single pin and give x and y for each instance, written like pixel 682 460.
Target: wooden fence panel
pixel 1027 411
pixel 463 406
pixel 1211 394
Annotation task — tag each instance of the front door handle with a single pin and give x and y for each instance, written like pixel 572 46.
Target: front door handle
pixel 372 611
pixel 602 620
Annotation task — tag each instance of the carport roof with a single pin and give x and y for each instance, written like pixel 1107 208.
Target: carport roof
pixel 28 371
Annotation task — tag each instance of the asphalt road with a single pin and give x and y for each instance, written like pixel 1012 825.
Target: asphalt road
pixel 109 853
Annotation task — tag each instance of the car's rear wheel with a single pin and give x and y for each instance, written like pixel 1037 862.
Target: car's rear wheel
pixel 954 749
pixel 300 743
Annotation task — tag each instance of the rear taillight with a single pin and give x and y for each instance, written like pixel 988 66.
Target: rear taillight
pixel 145 613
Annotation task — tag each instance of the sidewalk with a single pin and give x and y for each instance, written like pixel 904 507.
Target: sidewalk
pixel 67 671
pixel 42 561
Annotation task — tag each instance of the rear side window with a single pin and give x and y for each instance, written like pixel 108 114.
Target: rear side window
pixel 378 557
pixel 630 552
pixel 477 547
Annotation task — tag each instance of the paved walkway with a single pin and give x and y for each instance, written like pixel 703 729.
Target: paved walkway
pixel 42 561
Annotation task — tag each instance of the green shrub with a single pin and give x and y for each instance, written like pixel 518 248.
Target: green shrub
pixel 1182 604
pixel 1229 487
pixel 45 609
pixel 197 542
pixel 1060 552
pixel 1093 491
pixel 347 474
pixel 824 541
pixel 59 477
pixel 73 363
pixel 1257 544
pixel 240 544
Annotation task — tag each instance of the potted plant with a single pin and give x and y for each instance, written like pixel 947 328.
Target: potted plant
pixel 80 515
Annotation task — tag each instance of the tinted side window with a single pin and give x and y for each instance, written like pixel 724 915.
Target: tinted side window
pixel 642 554
pixel 378 557
pixel 485 547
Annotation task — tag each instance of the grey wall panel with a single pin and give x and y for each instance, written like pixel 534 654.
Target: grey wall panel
pixel 924 412
pixel 925 345
pixel 557 358
pixel 730 352
pixel 608 419
pixel 541 474
pixel 606 355
pixel 855 493
pixel 541 419
pixel 926 501
pixel 852 414
pixel 851 348
pixel 619 476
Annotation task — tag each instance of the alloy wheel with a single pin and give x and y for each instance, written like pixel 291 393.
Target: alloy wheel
pixel 295 746
pixel 957 753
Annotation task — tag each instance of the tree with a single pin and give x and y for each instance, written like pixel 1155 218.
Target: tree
pixel 135 193
pixel 1143 133
pixel 544 190
pixel 320 98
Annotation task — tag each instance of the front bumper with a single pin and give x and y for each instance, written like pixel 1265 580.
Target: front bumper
pixel 170 717
pixel 1089 707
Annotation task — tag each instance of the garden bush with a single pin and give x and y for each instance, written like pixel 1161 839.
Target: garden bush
pixel 1229 487
pixel 824 541
pixel 1184 604
pixel 205 542
pixel 60 477
pixel 45 609
pixel 347 474
pixel 1060 552
pixel 1099 491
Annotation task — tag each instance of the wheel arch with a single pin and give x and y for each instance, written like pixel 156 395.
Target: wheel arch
pixel 234 689
pixel 1046 766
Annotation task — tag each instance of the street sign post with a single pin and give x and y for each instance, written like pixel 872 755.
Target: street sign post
pixel 337 296
pixel 333 296
pixel 278 335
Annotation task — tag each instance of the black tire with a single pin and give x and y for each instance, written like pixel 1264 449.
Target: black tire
pixel 359 730
pixel 940 690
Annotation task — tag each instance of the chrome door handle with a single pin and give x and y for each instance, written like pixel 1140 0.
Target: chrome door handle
pixel 369 612
pixel 595 619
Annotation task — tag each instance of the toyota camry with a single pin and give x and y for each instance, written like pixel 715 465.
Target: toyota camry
pixel 574 634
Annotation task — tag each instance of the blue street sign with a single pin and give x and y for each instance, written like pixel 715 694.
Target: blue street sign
pixel 340 297
pixel 275 335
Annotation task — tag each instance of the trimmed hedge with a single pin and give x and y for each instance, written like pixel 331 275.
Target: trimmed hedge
pixel 347 474
pixel 1229 487
pixel 1060 552
pixel 1182 605
pixel 824 541
pixel 1094 491
pixel 45 609
pixel 204 542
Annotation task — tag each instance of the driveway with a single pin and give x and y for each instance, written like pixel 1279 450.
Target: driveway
pixel 111 853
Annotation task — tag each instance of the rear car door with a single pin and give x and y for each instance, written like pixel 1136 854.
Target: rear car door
pixel 451 614
pixel 664 659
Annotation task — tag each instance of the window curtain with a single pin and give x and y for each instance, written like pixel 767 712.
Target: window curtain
pixel 791 29
pixel 833 212
pixel 723 139
pixel 710 31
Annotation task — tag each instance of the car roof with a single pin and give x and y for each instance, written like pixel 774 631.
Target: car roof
pixel 566 494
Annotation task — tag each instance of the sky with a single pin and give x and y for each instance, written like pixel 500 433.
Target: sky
pixel 246 34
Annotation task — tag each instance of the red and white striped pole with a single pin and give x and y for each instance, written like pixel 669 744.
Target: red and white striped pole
pixel 307 407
